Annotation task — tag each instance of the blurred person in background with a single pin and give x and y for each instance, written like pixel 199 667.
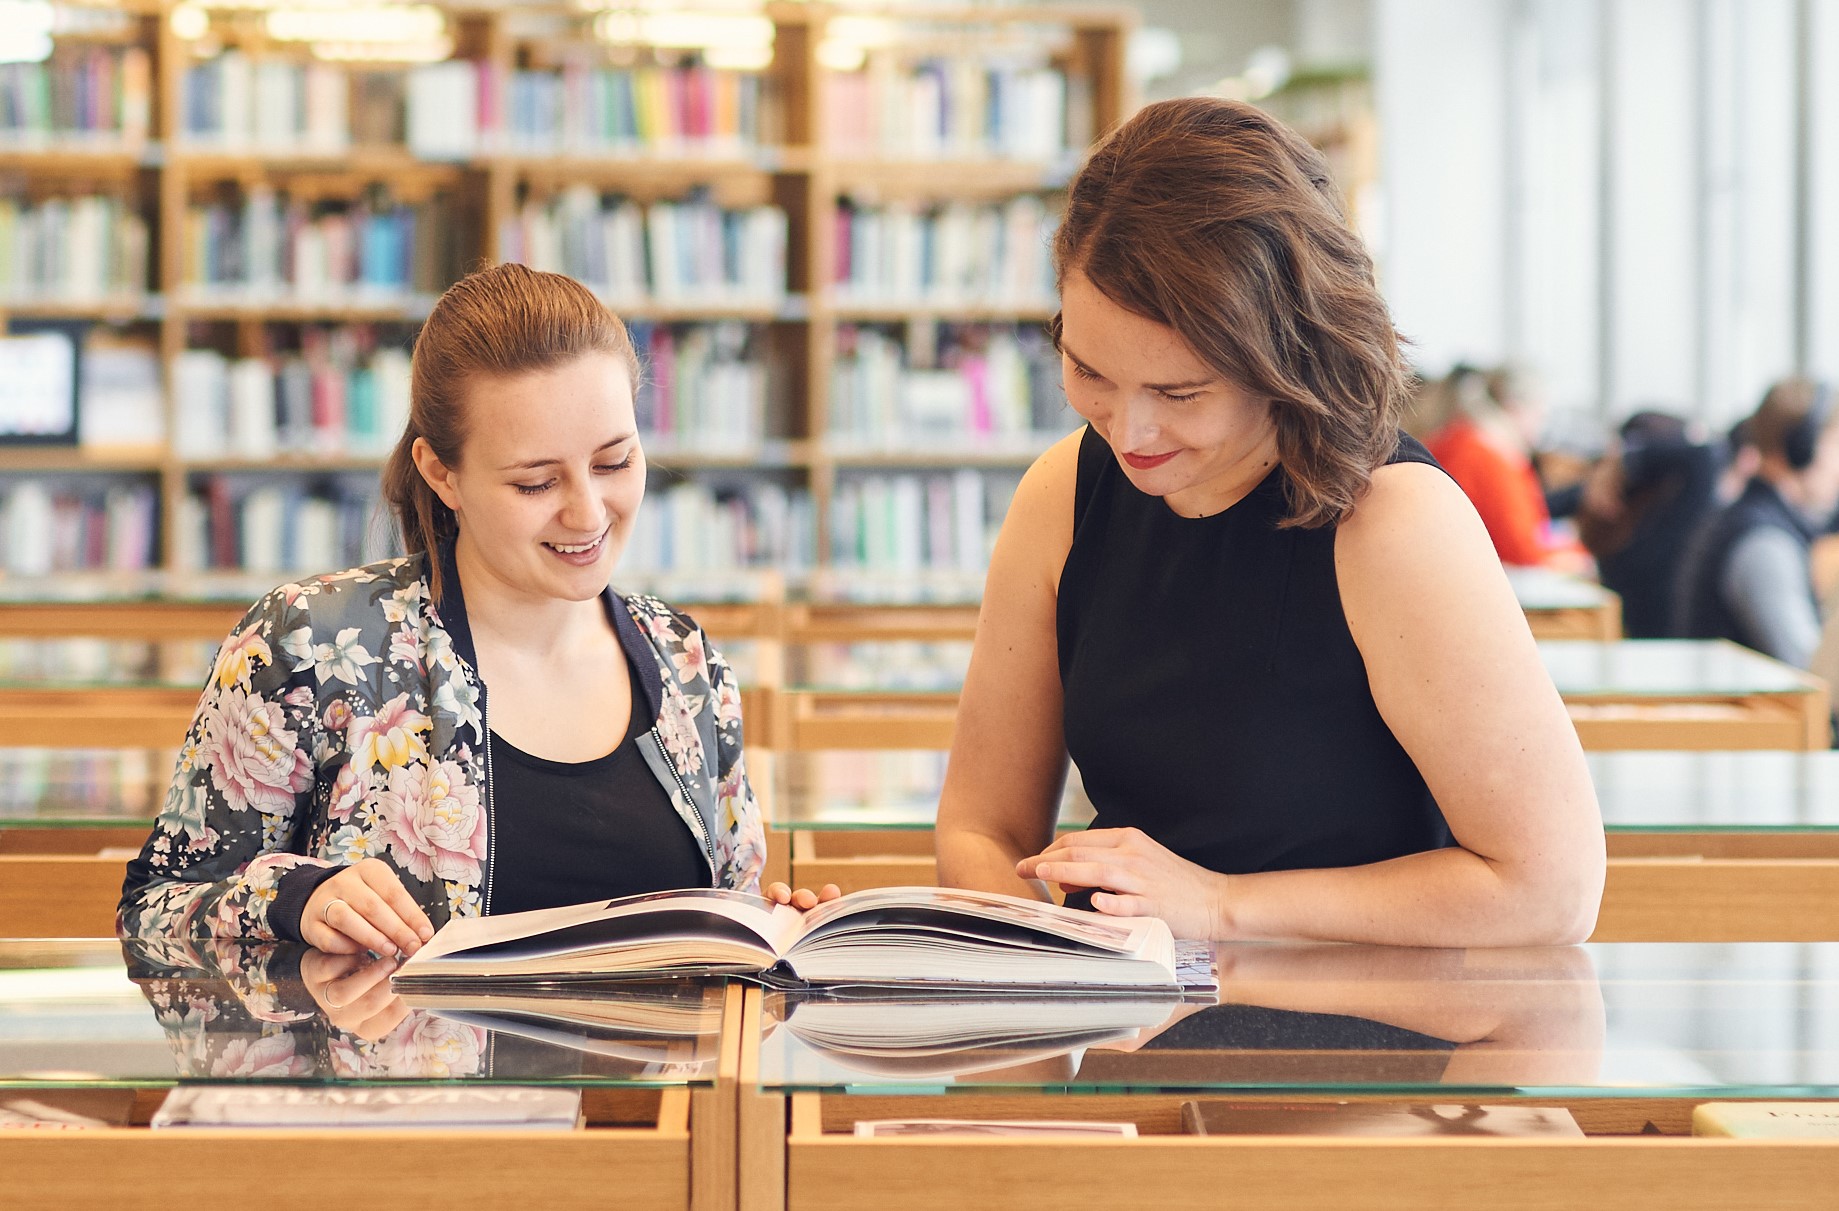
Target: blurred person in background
pixel 1486 446
pixel 1641 504
pixel 1748 574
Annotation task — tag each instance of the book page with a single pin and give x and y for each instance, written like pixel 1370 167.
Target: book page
pixel 559 930
pixel 1115 935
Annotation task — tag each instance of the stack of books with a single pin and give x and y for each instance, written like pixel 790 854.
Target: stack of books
pixel 290 527
pixel 647 110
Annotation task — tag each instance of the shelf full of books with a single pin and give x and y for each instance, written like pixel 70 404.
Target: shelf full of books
pixel 828 228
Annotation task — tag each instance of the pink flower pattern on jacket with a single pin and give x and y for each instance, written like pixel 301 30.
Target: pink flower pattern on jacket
pixel 306 750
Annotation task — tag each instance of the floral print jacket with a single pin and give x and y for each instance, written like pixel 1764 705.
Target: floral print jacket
pixel 344 720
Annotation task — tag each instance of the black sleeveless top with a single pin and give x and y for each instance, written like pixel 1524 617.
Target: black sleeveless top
pixel 1214 697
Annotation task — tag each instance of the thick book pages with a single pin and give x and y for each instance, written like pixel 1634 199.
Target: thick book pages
pixel 1767 1120
pixel 496 1106
pixel 896 936
pixel 933 1128
pixel 1375 1119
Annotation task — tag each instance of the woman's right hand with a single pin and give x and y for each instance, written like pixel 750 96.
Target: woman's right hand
pixel 364 907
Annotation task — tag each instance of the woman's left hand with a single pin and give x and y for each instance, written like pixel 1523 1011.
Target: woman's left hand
pixel 803 899
pixel 1133 875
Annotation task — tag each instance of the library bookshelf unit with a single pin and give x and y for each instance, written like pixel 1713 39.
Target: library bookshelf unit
pixel 839 304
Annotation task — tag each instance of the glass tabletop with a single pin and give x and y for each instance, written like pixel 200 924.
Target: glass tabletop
pixel 1539 589
pixel 51 787
pixel 1602 1020
pixel 102 1014
pixel 1664 668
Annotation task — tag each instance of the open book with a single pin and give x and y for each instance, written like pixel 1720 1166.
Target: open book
pixel 894 936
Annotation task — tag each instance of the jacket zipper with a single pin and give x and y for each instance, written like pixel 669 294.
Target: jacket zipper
pixel 491 813
pixel 702 831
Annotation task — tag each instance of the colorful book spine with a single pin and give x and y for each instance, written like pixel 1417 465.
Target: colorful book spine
pixel 271 246
pixel 78 249
pixel 957 254
pixel 992 386
pixel 284 527
pixel 690 253
pixel 949 108
pixel 911 523
pixel 233 103
pixel 704 389
pixel 340 394
pixel 51 526
pixel 94 96
pixel 697 527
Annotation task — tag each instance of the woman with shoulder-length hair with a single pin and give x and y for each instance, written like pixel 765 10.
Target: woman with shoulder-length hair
pixel 349 782
pixel 1270 632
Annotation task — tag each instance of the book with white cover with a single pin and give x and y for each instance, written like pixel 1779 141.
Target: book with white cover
pixel 893 936
pixel 446 1106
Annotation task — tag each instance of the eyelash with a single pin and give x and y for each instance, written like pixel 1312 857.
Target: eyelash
pixel 1082 372
pixel 538 489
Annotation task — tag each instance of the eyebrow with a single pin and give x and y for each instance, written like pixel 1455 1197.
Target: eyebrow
pixel 1162 387
pixel 536 464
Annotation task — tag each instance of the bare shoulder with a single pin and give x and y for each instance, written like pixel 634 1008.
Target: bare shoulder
pixel 1415 549
pixel 1039 524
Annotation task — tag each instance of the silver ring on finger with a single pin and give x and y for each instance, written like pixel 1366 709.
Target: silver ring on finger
pixel 325 914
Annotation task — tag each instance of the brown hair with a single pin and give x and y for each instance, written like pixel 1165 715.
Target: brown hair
pixel 1215 219
pixel 1785 412
pixel 505 320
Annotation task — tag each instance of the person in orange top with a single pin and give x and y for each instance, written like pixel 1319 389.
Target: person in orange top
pixel 1486 447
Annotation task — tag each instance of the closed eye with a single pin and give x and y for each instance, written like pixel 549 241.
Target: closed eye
pixel 618 466
pixel 1179 399
pixel 599 469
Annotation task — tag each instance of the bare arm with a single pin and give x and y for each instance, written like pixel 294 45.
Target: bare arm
pixel 1008 753
pixel 1456 675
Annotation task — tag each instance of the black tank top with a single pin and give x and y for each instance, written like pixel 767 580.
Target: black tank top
pixel 1214 697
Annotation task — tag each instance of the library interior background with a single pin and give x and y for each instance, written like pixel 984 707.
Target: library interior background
pixel 1607 232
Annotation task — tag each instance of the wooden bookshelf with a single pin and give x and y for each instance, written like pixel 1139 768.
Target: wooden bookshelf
pixel 795 171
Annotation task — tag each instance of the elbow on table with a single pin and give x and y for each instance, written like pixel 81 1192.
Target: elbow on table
pixel 1561 905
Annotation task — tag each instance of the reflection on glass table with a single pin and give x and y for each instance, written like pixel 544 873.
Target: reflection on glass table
pixel 1608 1021
pixel 1544 589
pixel 97 1014
pixel 52 788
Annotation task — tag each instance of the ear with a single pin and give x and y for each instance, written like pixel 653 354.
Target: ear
pixel 437 474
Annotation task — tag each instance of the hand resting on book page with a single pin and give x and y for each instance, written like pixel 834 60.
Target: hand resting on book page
pixel 364 907
pixel 803 899
pixel 1133 875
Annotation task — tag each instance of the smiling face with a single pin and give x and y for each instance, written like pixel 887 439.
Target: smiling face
pixel 1180 430
pixel 550 478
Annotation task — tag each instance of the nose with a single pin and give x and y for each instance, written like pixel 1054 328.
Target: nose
pixel 1136 427
pixel 583 514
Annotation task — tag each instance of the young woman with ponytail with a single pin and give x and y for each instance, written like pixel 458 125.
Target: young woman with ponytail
pixel 349 779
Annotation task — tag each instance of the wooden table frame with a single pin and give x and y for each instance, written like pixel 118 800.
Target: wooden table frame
pixel 798 1155
pixel 670 1149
